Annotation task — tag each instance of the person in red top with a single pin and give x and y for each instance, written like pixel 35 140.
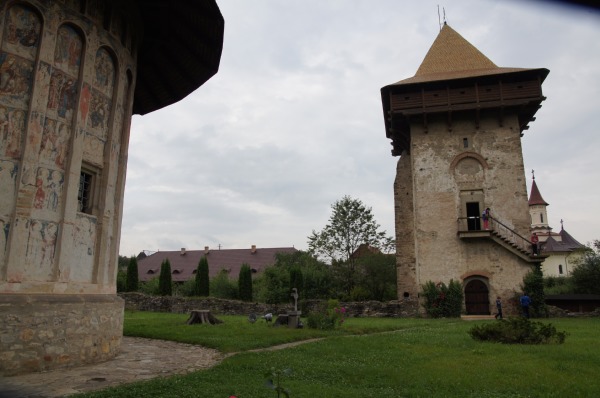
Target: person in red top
pixel 534 244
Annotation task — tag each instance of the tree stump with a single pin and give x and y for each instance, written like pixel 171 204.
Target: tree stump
pixel 202 316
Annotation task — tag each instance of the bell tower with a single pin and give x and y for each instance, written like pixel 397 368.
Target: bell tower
pixel 457 126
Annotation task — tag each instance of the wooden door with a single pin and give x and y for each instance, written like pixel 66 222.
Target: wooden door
pixel 477 298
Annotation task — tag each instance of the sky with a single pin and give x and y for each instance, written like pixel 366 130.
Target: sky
pixel 293 121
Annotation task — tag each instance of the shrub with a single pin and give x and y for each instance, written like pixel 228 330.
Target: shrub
pixel 222 287
pixel 441 300
pixel 165 287
pixel 327 318
pixel 132 275
pixel 150 287
pixel 518 331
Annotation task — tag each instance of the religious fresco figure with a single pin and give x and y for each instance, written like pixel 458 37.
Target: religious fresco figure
pixel 104 75
pixel 67 55
pixel 23 28
pixel 16 128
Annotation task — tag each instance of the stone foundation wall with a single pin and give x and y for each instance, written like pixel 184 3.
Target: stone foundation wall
pixel 142 302
pixel 48 331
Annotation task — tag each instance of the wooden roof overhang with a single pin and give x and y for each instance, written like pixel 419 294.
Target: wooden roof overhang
pixel 412 100
pixel 180 50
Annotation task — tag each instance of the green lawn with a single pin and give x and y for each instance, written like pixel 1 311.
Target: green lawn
pixel 414 358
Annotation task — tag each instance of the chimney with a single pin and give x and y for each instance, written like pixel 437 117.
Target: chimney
pixel 183 251
pixel 253 249
pixel 205 250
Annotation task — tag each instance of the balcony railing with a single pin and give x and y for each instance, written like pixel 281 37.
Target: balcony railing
pixel 497 228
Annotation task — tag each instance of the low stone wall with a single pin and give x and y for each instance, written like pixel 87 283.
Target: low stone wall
pixel 142 302
pixel 49 331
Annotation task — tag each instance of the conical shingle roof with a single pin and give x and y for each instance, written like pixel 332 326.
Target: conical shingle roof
pixel 535 198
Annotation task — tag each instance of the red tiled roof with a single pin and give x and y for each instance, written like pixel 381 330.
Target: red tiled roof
pixel 184 265
pixel 535 198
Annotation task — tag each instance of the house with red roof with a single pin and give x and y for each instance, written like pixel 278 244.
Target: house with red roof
pixel 185 262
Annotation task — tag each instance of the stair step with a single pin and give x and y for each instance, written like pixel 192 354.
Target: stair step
pixel 477 317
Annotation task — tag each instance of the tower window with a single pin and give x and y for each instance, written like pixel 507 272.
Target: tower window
pixel 465 142
pixel 541 218
pixel 560 269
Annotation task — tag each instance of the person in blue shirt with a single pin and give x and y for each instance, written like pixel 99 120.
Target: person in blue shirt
pixel 525 301
pixel 499 308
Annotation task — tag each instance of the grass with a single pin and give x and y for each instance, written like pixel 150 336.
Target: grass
pixel 415 358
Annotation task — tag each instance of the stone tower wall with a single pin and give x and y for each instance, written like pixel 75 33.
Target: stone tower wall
pixel 447 168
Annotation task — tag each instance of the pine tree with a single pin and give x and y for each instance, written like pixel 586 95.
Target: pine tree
pixel 245 283
pixel 132 275
pixel 202 286
pixel 164 280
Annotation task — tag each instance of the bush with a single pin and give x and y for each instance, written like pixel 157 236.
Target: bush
pixel 586 274
pixel 222 287
pixel 121 281
pixel 518 331
pixel 558 285
pixel 150 287
pixel 443 301
pixel 327 318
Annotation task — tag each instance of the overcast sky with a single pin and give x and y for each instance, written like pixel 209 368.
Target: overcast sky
pixel 293 120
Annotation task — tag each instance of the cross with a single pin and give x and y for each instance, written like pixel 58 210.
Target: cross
pixel 533 173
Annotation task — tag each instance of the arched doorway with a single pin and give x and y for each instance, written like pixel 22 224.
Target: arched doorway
pixel 477 300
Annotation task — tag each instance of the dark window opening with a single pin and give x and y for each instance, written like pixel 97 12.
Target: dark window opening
pixel 465 142
pixel 84 195
pixel 560 270
pixel 473 216
pixel 542 218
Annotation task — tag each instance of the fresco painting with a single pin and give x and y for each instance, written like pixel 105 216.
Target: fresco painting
pixel 22 32
pixel 84 238
pixel 8 182
pixel 15 80
pixel 93 149
pixel 55 140
pixel 99 112
pixel 62 95
pixel 67 55
pixel 12 128
pixel 49 184
pixel 41 244
pixel 104 76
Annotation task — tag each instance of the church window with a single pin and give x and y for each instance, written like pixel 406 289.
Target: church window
pixel 541 218
pixel 465 142
pixel 560 269
pixel 85 193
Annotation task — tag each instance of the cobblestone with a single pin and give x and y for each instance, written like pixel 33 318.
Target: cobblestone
pixel 139 359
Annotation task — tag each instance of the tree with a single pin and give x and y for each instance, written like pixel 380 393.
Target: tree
pixel 377 276
pixel 164 279
pixel 245 283
pixel 533 285
pixel 586 274
pixel 132 275
pixel 351 224
pixel 202 286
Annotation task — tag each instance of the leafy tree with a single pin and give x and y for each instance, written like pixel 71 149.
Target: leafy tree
pixel 586 274
pixel 441 300
pixel 132 275
pixel 533 285
pixel 245 283
pixel 202 280
pixel 123 262
pixel 164 280
pixel 297 280
pixel 121 281
pixel 377 276
pixel 351 224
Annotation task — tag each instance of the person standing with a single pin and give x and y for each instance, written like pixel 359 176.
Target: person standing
pixel 534 244
pixel 485 216
pixel 525 302
pixel 499 308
